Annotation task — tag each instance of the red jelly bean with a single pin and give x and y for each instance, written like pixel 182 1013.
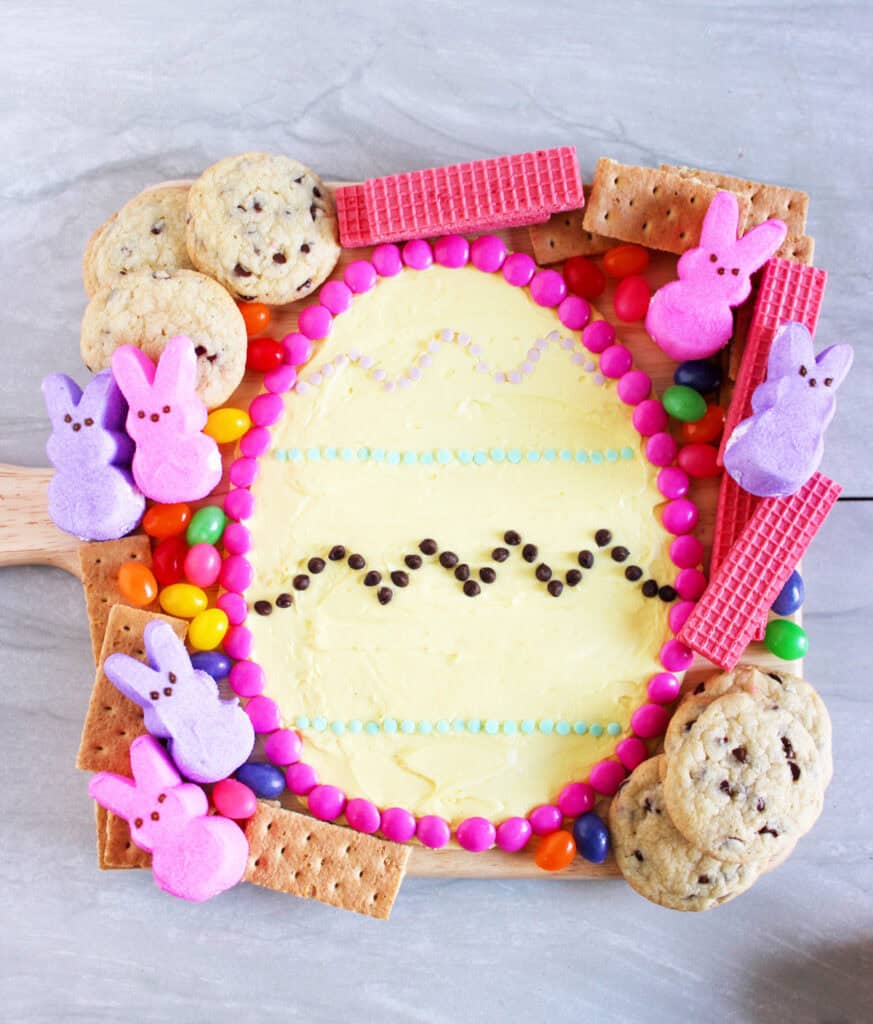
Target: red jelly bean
pixel 256 317
pixel 699 460
pixel 708 428
pixel 631 299
pixel 137 584
pixel 168 560
pixel 264 355
pixel 555 851
pixel 625 260
pixel 162 521
pixel 584 277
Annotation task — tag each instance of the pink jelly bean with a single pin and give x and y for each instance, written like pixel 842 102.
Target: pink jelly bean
pixel 649 417
pixel 663 688
pixel 476 834
pixel 488 253
pixel 301 778
pixel 315 322
pixel 336 296
pixel 266 410
pixel 686 551
pixel 280 380
pixel 432 830
pixel 513 834
pixel 598 336
pixel 690 584
pixel 202 565
pixel 518 269
pixel 451 251
pixel 234 607
pixel 615 361
pixel 247 679
pixel 326 802
pixel 418 254
pixel 233 799
pixel 574 312
pixel 238 642
pixel 673 482
pixel 607 776
pixel 360 276
pixel 661 449
pixel 675 656
pixel 634 387
pixel 236 573
pixel 398 825
pixel 680 516
pixel 545 819
pixel 548 288
pixel 631 300
pixel 576 798
pixel 297 348
pixel 239 504
pixel 678 615
pixel 631 752
pixel 386 259
pixel 264 714
pixel 284 747
pixel 237 539
pixel 255 442
pixel 362 815
pixel 650 720
pixel 244 472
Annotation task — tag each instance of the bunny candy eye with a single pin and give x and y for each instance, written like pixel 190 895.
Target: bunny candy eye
pixel 812 382
pixel 154 695
pixel 720 270
pixel 166 408
pixel 89 422
pixel 713 258
pixel 171 676
pixel 68 418
pixel 803 371
pixel 735 271
pixel 155 816
pixel 141 415
pixel 77 426
pixel 162 798
pixel 137 822
pixel 828 381
pixel 154 417
pixel 168 692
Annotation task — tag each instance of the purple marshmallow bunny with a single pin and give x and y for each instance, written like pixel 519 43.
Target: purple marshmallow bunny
pixel 209 737
pixel 92 494
pixel 778 448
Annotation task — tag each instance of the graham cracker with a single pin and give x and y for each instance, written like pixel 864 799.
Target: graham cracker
pixel 656 208
pixel 113 722
pixel 100 563
pixel 563 236
pixel 115 849
pixel 313 859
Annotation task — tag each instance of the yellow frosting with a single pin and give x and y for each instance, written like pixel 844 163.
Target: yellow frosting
pixel 514 652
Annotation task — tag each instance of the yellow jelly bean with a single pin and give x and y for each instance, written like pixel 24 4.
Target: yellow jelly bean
pixel 207 630
pixel 227 425
pixel 183 600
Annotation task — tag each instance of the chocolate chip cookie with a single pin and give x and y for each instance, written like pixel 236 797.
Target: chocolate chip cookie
pixel 657 860
pixel 264 226
pixel 148 307
pixel 745 782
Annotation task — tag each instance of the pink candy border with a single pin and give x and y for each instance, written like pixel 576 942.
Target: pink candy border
pixel 284 746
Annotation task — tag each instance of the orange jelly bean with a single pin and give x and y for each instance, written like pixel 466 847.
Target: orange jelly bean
pixel 256 316
pixel 706 429
pixel 624 260
pixel 162 521
pixel 137 584
pixel 555 851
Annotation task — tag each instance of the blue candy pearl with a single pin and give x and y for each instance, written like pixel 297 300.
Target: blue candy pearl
pixel 264 780
pixel 790 596
pixel 592 837
pixel 213 663
pixel 699 374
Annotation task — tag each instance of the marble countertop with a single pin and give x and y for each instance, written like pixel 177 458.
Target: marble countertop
pixel 97 101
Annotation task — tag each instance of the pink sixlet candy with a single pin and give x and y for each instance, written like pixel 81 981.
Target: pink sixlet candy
pixel 513 834
pixel 360 276
pixel 315 322
pixel 691 318
pixel 451 251
pixel 386 260
pixel 548 288
pixel 519 268
pixel 418 254
pixel 663 688
pixel 488 253
pixel 195 855
pixel 476 834
pixel 297 348
pixel 433 831
pixel 209 737
pixel 173 461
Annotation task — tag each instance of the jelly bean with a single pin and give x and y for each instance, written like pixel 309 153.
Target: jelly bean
pixel 699 374
pixel 592 837
pixel 555 851
pixel 684 403
pixel 162 521
pixel 137 584
pixel 264 354
pixel 707 428
pixel 625 260
pixel 183 600
pixel 213 663
pixel 206 526
pixel 256 317
pixel 265 780
pixel 233 799
pixel 168 560
pixel 584 277
pixel 786 639
pixel 208 629
pixel 699 460
pixel 790 596
pixel 202 565
pixel 227 425
pixel 631 298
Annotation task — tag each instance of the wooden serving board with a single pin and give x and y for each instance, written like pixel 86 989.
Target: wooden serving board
pixel 28 537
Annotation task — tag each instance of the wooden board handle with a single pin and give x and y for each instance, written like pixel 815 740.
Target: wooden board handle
pixel 27 535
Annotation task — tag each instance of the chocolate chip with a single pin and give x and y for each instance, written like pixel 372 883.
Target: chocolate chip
pixel 316 192
pixel 448 559
pixel 788 748
pixel 795 770
pixel 585 558
pixel 777 677
pixel 399 578
pixel 500 554
pixel 765 831
pixel 300 582
pixel 241 271
pixel 760 805
pixel 639 856
pixel 462 572
pixel 413 561
pixel 555 588
pixel 384 594
pixel 372 578
pixel 284 601
pixel 619 554
pixel 157 228
pixel 305 247
pixel 263 608
pixel 667 593
pixel 647 806
pixel 650 588
pixel 298 181
pixel 543 572
pixel 726 787
pixel 602 538
pixel 699 688
pixel 487 574
pixel 357 561
pixel 428 546
pixel 472 588
pixel 529 552
pixel 337 553
pixel 703 879
pixel 573 577
pixel 633 573
pixel 512 537
pixel 740 754
pixel 313 210
pixel 315 565
pixel 280 257
pixel 306 284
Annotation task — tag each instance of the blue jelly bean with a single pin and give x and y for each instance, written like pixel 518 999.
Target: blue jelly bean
pixel 592 837
pixel 213 663
pixel 264 780
pixel 699 374
pixel 790 596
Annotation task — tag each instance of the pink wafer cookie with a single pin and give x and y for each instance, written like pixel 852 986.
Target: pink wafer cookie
pixel 507 191
pixel 755 570
pixel 735 508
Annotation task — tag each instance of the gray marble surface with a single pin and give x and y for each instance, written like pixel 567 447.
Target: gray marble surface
pixel 100 99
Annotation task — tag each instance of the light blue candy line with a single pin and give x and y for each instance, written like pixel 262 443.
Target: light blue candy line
pixel 449 456
pixel 443 727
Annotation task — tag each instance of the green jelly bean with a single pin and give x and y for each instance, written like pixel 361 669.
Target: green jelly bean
pixel 786 639
pixel 684 403
pixel 206 526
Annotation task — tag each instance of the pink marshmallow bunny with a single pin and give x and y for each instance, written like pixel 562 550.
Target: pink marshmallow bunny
pixel 691 318
pixel 173 461
pixel 195 855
